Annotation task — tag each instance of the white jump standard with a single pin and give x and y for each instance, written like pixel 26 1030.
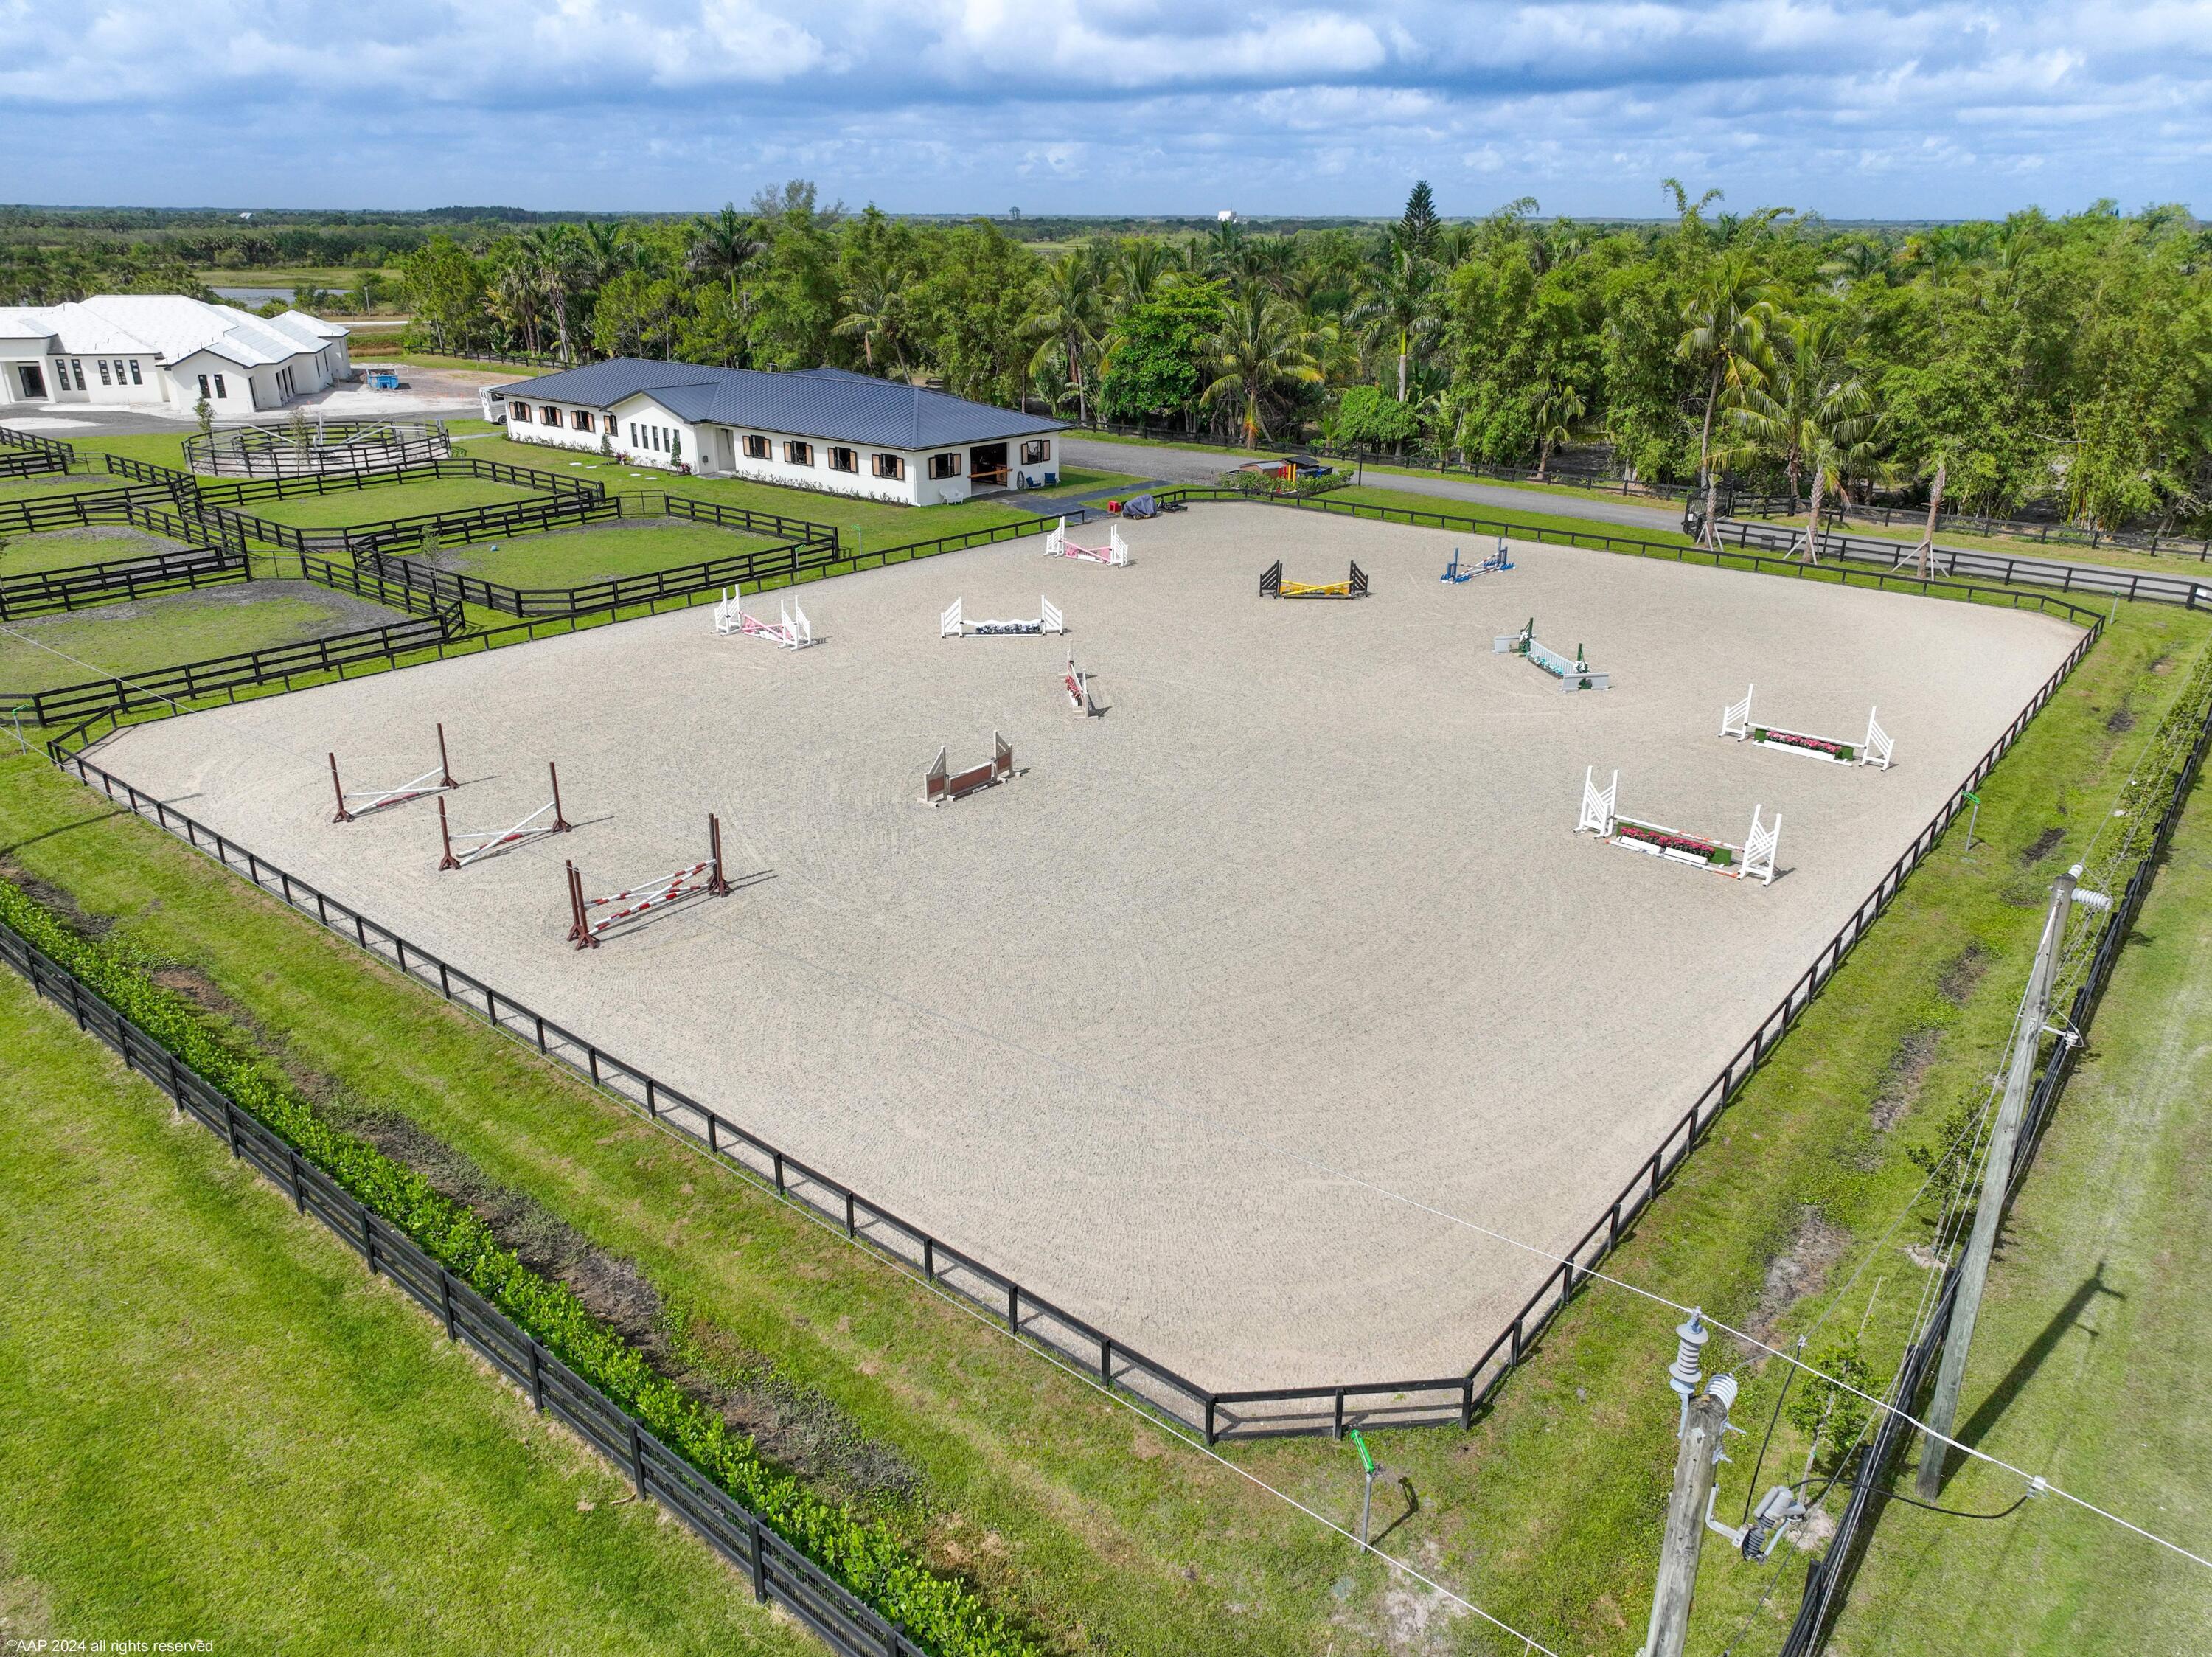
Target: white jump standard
pixel 437 780
pixel 487 841
pixel 1115 551
pixel 952 625
pixel 792 632
pixel 1875 750
pixel 585 928
pixel 939 786
pixel 1496 564
pixel 1573 674
pixel 1752 860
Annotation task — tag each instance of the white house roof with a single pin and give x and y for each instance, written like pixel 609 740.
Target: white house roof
pixel 171 327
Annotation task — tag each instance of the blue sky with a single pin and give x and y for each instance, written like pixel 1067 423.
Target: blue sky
pixel 1105 106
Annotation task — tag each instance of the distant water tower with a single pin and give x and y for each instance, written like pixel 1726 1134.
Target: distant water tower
pixel 1225 215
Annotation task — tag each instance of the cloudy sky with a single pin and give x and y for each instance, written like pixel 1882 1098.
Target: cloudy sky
pixel 1854 110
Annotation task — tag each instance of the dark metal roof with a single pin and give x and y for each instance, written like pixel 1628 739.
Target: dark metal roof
pixel 834 404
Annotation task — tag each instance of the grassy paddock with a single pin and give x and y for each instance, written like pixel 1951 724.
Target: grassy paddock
pixel 874 523
pixel 46 485
pixel 1072 1512
pixel 222 1427
pixel 572 557
pixel 109 640
pixel 60 549
pixel 341 508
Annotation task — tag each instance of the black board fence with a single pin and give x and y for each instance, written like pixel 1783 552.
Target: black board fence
pixel 2095 580
pixel 779 1572
pixel 31 462
pixel 2048 530
pixel 1831 1575
pixel 316 446
pixel 246 670
pixel 44 592
pixel 12 438
pixel 80 509
pixel 1326 1407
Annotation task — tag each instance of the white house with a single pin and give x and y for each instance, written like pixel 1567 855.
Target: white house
pixel 823 428
pixel 164 351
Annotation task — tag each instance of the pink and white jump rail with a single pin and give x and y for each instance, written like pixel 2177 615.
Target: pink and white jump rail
pixel 791 632
pixel 585 922
pixel 1752 860
pixel 1874 750
pixel 1077 684
pixel 1113 551
pixel 482 843
pixel 360 803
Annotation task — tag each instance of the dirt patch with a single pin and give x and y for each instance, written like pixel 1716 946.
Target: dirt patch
pixel 2122 719
pixel 1960 977
pixel 59 899
pixel 1799 1268
pixel 797 1428
pixel 2041 847
pixel 1901 1078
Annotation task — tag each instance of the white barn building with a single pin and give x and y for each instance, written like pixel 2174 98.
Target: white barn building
pixel 823 428
pixel 164 351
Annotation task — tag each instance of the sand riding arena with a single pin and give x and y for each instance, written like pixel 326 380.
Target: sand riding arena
pixel 1259 977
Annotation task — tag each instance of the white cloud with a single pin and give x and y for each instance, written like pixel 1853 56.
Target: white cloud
pixel 1105 106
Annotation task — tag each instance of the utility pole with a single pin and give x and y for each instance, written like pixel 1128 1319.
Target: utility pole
pixel 1997 1179
pixel 1696 1459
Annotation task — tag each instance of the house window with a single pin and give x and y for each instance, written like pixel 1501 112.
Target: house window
pixel 61 374
pixel 550 416
pixel 580 420
pixel 103 372
pixel 756 448
pixel 634 438
pixel 203 386
pixel 519 412
pixel 219 391
pixel 77 363
pixel 799 454
pixel 135 379
pixel 944 466
pixel 891 465
pixel 844 460
pixel 1034 451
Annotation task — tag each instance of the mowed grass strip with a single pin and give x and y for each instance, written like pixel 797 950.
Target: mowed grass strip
pixel 2091 1348
pixel 340 508
pixel 1103 1530
pixel 574 557
pixel 108 641
pixel 221 1428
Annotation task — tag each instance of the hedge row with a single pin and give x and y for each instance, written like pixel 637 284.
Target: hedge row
pixel 943 1613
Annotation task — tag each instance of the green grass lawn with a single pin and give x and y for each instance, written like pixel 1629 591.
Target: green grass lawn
pixel 221 1428
pixel 1076 478
pixel 1402 500
pixel 572 557
pixel 2092 1347
pixel 1105 1532
pixel 340 508
pixel 2186 566
pixel 46 485
pixel 58 549
pixel 871 525
pixel 109 640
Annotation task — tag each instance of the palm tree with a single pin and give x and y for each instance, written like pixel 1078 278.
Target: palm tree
pixel 1139 263
pixel 1815 410
pixel 723 246
pixel 876 313
pixel 1399 312
pixel 551 252
pixel 1258 348
pixel 1557 407
pixel 1725 325
pixel 516 294
pixel 1070 318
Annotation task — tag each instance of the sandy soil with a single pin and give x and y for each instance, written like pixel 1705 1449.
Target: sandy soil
pixel 1197 1026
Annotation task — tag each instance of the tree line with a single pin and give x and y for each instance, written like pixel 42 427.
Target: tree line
pixel 2038 363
